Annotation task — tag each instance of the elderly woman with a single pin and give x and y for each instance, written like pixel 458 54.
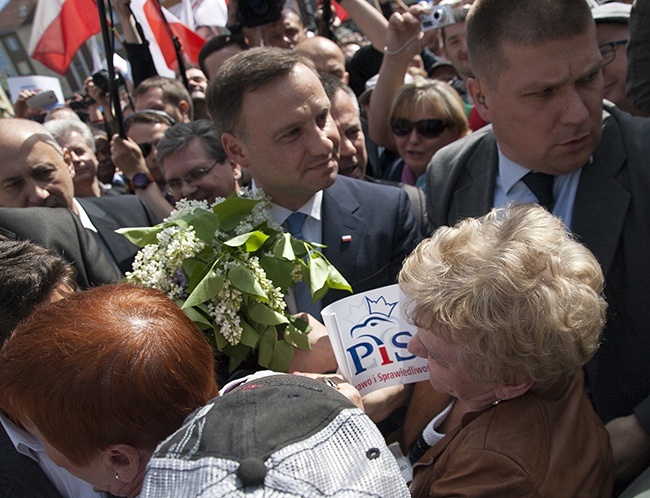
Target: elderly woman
pixel 508 310
pixel 101 377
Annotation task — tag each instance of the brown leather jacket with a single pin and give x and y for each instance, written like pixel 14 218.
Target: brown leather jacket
pixel 542 444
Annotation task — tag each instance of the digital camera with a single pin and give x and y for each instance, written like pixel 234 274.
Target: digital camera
pixel 438 16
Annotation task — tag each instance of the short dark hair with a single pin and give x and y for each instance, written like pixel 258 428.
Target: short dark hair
pixel 332 84
pixel 178 138
pixel 491 23
pixel 29 275
pixel 216 43
pixel 173 90
pixel 246 72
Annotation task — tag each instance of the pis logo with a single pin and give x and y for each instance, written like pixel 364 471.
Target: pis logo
pixel 379 340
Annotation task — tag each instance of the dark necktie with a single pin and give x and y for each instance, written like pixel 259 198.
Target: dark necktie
pixel 541 184
pixel 294 224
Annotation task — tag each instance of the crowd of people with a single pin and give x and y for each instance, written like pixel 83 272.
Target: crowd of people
pixel 494 167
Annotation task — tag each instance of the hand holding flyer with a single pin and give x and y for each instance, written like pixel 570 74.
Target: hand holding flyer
pixel 369 335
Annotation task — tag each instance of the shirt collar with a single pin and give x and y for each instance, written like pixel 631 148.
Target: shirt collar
pixel 311 208
pixel 24 442
pixel 509 172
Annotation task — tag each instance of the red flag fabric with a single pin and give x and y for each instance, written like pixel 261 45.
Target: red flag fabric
pixel 189 40
pixel 60 27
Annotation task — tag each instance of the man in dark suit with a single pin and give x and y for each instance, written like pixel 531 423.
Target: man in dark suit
pixel 61 231
pixel 274 118
pixel 35 171
pixel 538 79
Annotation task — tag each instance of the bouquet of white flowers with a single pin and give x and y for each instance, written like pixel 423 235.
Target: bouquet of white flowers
pixel 228 266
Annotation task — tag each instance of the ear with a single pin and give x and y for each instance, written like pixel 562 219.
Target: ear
pixel 478 95
pixel 126 461
pixel 184 107
pixel 510 391
pixel 235 148
pixel 346 78
pixel 67 158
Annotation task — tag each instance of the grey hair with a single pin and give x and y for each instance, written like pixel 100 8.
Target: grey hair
pixel 62 128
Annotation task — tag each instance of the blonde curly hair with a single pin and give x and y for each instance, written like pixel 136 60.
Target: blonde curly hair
pixel 519 295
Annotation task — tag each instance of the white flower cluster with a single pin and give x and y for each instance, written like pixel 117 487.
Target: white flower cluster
pixel 224 308
pixel 185 207
pixel 156 264
pixel 276 298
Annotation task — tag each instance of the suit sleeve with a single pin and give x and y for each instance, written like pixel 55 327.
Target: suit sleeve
pixel 407 234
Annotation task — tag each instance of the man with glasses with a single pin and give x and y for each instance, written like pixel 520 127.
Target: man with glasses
pixel 194 164
pixel 538 80
pixel 613 33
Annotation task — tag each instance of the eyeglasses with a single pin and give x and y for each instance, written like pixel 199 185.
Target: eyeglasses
pixel 174 186
pixel 608 51
pixel 147 147
pixel 427 128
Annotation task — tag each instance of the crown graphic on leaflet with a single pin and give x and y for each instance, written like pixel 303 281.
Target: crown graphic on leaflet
pixel 380 306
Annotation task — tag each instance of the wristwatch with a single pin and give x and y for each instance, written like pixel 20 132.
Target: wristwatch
pixel 141 181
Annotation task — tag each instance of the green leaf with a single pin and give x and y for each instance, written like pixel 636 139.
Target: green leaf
pixel 279 271
pixel 283 248
pixel 296 337
pixel 199 319
pixel 282 356
pixel 207 288
pixel 261 313
pixel 236 355
pixel 318 272
pixel 205 223
pixel 337 281
pixel 233 211
pixel 249 335
pixel 141 236
pixel 244 280
pixel 268 341
pixel 252 241
pixel 299 324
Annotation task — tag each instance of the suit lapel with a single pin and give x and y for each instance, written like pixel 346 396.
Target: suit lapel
pixel 338 220
pixel 115 243
pixel 471 198
pixel 601 199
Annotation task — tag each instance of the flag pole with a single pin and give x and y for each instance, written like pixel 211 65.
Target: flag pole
pixel 113 87
pixel 177 47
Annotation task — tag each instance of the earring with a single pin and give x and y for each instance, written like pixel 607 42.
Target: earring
pixel 117 476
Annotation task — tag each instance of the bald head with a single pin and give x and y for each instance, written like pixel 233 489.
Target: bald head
pixel 327 56
pixel 34 171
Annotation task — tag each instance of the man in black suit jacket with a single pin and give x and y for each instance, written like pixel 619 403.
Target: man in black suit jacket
pixel 35 171
pixel 547 117
pixel 61 231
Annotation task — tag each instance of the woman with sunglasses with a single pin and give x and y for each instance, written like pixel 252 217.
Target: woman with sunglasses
pixel 416 119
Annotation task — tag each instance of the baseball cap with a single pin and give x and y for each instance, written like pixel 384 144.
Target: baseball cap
pixel 612 12
pixel 279 436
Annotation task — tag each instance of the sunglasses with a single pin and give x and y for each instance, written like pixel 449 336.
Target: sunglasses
pixel 427 128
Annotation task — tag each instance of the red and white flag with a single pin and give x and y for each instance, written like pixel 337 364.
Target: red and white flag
pixel 161 45
pixel 59 29
pixel 61 26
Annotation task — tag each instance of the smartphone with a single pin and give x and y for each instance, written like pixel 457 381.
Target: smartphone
pixel 42 100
